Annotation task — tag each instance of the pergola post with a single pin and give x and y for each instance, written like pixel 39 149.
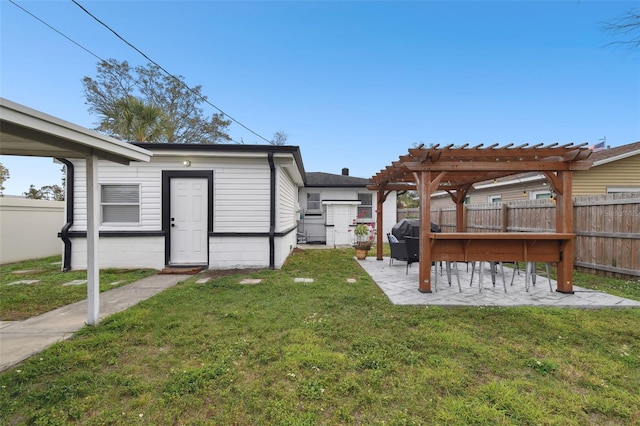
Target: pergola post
pixel 379 228
pixel 93 224
pixel 424 188
pixel 564 224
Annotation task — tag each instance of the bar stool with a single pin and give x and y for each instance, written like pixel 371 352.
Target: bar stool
pixel 494 271
pixel 530 275
pixel 448 269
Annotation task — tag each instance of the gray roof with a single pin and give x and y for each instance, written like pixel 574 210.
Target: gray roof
pixel 320 179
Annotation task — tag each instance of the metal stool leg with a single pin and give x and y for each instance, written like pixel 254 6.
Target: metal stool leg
pixel 455 264
pixel 473 270
pixel 549 277
pixel 504 282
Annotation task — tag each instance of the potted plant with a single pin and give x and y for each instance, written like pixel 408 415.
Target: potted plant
pixel 364 237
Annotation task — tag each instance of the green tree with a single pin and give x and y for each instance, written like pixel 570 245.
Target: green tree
pixel 183 121
pixel 4 175
pixel 47 192
pixel 409 199
pixel 133 120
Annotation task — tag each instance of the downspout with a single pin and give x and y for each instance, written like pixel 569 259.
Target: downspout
pixel 272 211
pixel 68 197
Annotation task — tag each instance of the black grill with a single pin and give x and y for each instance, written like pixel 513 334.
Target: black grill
pixel 410 228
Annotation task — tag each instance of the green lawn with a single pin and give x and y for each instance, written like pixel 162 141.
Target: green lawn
pixel 330 352
pixel 21 301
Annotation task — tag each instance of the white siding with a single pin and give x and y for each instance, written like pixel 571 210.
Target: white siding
pixel 121 252
pixel 241 196
pixel 287 201
pixel 238 252
pixel 147 175
pixel 389 212
pixel 283 248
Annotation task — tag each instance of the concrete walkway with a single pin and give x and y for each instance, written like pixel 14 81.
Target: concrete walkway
pixel 21 339
pixel 402 289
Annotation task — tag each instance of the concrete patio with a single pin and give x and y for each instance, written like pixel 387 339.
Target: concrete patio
pixel 402 289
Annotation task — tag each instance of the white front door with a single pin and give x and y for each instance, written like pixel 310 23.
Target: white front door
pixel 341 221
pixel 188 221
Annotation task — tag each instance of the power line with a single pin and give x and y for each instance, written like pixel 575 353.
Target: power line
pixel 167 72
pixel 54 29
pixel 150 60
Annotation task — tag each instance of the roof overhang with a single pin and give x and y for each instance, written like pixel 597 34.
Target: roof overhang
pixel 25 131
pixel 286 156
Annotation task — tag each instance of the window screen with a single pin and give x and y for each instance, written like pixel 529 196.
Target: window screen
pixel 120 203
pixel 365 209
pixel 313 201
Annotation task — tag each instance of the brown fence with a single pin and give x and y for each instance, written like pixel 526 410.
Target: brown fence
pixel 607 227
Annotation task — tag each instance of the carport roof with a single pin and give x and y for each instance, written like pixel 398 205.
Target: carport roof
pixel 25 131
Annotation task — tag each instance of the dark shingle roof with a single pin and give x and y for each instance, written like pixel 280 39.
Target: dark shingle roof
pixel 612 154
pixel 320 179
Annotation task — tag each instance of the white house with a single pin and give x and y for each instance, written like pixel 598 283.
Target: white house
pixel 215 206
pixel 332 205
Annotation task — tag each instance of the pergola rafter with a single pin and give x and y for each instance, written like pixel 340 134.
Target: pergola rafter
pixel 455 169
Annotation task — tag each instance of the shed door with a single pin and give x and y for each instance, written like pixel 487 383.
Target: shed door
pixel 188 221
pixel 341 221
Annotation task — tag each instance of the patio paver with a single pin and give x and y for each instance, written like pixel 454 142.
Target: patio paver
pixel 402 289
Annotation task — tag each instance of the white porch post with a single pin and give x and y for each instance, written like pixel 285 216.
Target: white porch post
pixel 93 226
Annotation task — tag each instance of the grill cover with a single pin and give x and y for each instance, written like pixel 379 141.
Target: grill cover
pixel 410 228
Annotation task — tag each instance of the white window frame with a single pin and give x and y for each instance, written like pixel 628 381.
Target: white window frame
pixel 363 206
pixel 533 195
pixel 619 189
pixel 317 210
pixel 125 203
pixel 496 198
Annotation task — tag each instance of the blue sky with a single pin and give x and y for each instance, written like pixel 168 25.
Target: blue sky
pixel 354 84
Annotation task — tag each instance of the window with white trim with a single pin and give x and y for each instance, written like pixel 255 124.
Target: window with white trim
pixel 495 198
pixel 539 195
pixel 365 209
pixel 120 203
pixel 314 203
pixel 619 189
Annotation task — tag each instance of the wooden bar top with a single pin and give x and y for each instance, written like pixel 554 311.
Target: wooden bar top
pixel 500 236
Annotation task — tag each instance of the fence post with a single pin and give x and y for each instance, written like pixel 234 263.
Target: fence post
pixel 505 218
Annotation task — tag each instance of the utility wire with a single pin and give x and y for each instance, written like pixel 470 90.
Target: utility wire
pixel 102 60
pixel 54 29
pixel 167 72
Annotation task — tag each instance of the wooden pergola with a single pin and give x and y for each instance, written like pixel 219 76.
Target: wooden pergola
pixel 455 169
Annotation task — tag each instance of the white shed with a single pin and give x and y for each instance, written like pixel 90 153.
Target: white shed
pixel 333 204
pixel 215 206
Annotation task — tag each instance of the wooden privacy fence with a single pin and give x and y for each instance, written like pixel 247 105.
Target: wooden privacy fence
pixel 607 227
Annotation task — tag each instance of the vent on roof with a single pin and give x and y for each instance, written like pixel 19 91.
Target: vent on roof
pixel 345 171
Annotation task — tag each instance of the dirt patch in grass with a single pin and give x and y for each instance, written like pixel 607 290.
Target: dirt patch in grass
pixel 219 273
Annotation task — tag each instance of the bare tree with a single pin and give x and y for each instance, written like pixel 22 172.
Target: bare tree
pixel 279 138
pixel 628 27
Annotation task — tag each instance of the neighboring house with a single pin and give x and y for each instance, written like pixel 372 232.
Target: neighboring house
pixel 215 206
pixel 614 170
pixel 332 205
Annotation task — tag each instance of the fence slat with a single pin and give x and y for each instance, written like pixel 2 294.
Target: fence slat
pixel 607 227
